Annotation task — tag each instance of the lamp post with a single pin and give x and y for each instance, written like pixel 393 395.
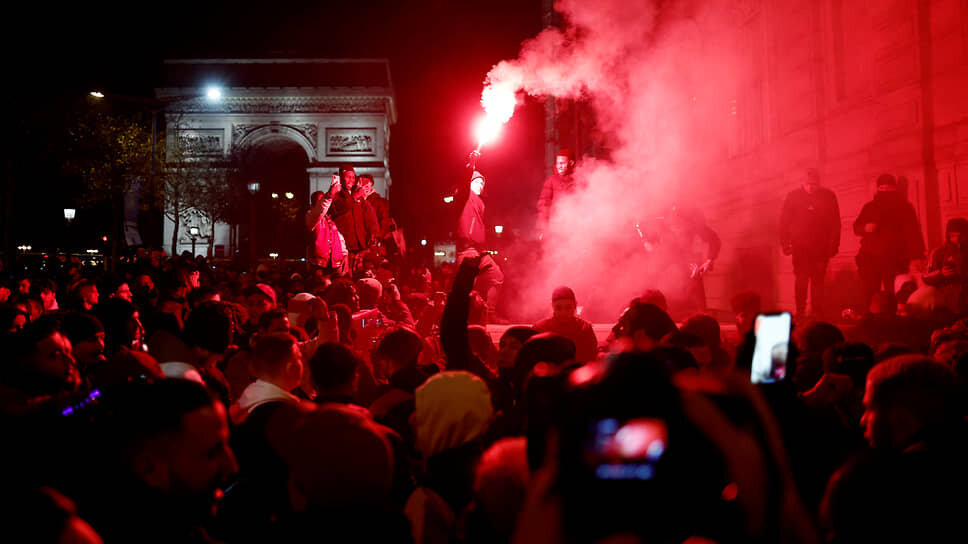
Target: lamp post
pixel 69 214
pixel 193 232
pixel 253 187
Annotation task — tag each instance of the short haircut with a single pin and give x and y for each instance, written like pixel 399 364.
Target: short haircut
pixel 40 285
pixel 364 177
pixel 333 366
pixel 565 152
pixel 648 318
pixel 316 196
pixel 918 384
pixel 209 327
pixel 271 353
pixel 705 327
pixel 656 298
pixel 400 345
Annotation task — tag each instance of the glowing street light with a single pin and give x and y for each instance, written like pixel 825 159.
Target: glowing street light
pixel 498 229
pixel 289 195
pixel 97 94
pixel 274 195
pixel 253 187
pixel 423 241
pixel 448 199
pixel 69 214
pixel 193 233
pixel 274 255
pixel 213 93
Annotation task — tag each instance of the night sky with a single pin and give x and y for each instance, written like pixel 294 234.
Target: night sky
pixel 439 53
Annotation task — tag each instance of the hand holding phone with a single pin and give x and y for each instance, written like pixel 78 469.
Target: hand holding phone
pixel 336 185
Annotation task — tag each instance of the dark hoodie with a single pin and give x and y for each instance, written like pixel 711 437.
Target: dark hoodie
pixel 898 233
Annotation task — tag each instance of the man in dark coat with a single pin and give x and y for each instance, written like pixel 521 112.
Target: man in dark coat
pixel 810 231
pixel 558 184
pixel 890 238
pixel 353 215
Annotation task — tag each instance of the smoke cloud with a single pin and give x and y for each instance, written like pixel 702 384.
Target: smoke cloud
pixel 661 79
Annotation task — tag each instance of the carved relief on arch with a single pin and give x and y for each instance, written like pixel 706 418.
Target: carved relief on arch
pixel 306 135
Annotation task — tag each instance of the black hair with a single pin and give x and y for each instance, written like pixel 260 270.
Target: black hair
pixel 209 327
pixel 333 366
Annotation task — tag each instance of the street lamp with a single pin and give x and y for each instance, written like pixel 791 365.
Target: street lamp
pixel 193 233
pixel 253 187
pixel 69 214
pixel 290 195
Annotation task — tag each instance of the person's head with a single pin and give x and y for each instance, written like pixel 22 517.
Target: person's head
pixel 35 306
pixel 700 352
pixel 12 319
pixel 277 359
pixel 42 359
pixel 811 180
pixel 705 327
pixel 342 291
pixel 817 337
pixel 274 322
pixel 144 284
pixel 209 329
pixel 47 290
pixel 746 306
pixel 202 295
pixel 886 183
pixel 564 162
pixel 44 515
pixel 477 183
pixel 543 354
pixel 370 290
pixel 563 303
pixel 501 484
pixel 87 293
pixel 122 291
pixel 956 231
pixel 641 326
pixel 23 285
pixel 347 176
pixel 334 370
pixel 510 344
pixel 174 438
pixel 316 197
pixel 907 396
pixel 358 473
pixel 399 349
pixel 122 325
pixel 366 184
pixel 87 339
pixel 655 298
pixel 259 298
pixel 453 408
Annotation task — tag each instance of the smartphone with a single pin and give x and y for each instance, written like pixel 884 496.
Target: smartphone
pixel 772 348
pixel 625 450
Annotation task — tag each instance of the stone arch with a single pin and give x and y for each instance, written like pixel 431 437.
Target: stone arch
pixel 268 133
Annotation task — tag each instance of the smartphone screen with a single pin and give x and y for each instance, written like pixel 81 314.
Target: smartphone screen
pixel 627 450
pixel 772 347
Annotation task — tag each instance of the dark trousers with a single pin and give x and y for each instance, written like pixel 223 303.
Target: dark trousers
pixel 877 274
pixel 809 272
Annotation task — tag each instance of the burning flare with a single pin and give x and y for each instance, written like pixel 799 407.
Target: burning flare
pixel 498 101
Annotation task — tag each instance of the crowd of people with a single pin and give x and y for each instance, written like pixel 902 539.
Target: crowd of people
pixel 180 401
pixel 358 399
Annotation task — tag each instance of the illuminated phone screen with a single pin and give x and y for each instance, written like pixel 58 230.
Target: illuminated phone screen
pixel 772 348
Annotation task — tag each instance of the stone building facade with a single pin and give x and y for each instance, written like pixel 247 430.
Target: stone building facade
pixel 336 111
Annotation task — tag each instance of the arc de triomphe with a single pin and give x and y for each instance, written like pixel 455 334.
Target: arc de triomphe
pixel 336 110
